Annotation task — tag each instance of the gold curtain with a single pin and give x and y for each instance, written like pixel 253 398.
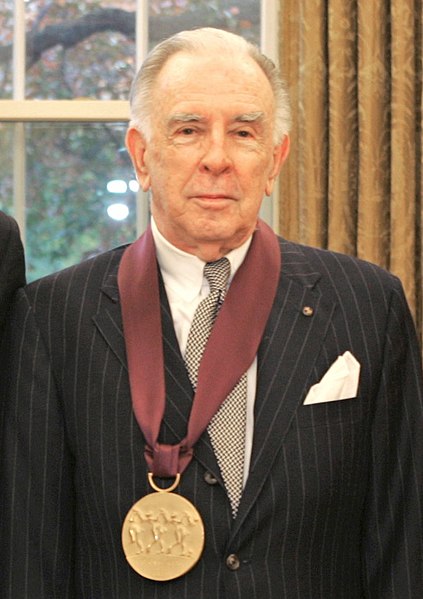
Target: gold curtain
pixel 353 181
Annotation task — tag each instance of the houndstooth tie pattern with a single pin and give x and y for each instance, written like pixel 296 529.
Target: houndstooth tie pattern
pixel 227 427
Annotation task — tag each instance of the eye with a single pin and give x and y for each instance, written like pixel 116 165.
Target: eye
pixel 187 131
pixel 243 133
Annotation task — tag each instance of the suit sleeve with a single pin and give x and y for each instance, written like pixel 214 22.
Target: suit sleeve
pixel 12 265
pixel 36 493
pixel 392 537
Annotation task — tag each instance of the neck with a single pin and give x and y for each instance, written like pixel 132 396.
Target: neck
pixel 206 250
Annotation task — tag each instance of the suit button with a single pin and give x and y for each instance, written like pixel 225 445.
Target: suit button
pixel 210 479
pixel 232 562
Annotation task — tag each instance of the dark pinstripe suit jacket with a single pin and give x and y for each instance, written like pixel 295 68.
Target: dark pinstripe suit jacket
pixel 332 507
pixel 12 267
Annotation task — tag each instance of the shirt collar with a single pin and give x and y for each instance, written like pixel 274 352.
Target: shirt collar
pixel 183 272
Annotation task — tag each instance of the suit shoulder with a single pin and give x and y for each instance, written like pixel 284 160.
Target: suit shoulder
pixel 6 220
pixel 9 229
pixel 89 273
pixel 338 268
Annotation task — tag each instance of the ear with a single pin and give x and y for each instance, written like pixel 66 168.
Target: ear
pixel 137 146
pixel 280 154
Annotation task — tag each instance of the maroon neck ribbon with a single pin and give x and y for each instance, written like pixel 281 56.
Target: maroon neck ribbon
pixel 229 352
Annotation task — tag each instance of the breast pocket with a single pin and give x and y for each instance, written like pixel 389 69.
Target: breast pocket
pixel 328 413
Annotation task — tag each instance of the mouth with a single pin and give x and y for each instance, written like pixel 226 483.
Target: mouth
pixel 212 197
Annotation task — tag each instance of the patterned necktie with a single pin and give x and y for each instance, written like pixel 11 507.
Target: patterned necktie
pixel 227 427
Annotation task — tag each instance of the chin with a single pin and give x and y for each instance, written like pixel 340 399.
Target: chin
pixel 227 237
pixel 212 230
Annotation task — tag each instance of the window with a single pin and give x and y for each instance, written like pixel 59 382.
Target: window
pixel 65 70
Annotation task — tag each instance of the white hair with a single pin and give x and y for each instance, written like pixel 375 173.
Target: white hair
pixel 206 39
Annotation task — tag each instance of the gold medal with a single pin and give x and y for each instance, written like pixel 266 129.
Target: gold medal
pixel 163 534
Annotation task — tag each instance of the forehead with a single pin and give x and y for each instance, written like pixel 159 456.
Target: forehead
pixel 203 81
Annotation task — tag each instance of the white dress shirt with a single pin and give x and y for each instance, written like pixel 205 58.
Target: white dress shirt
pixel 186 286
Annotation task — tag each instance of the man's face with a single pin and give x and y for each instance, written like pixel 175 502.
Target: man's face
pixel 211 156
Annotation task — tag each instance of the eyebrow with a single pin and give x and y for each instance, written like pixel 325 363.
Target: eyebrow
pixel 249 117
pixel 190 117
pixel 185 117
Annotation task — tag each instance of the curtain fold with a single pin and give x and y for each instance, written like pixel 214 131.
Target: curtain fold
pixel 343 126
pixel 404 144
pixel 313 132
pixel 353 181
pixel 373 127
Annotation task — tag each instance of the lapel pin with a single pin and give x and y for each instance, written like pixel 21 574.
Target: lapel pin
pixel 308 311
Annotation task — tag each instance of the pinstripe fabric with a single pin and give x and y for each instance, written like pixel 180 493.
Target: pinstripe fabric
pixel 332 506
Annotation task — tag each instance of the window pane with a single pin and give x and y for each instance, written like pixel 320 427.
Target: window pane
pixel 72 210
pixel 6 167
pixel 6 45
pixel 80 49
pixel 86 48
pixel 167 17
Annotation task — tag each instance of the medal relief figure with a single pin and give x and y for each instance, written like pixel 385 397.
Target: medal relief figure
pixel 211 411
pixel 161 532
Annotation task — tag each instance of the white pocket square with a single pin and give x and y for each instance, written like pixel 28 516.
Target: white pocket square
pixel 339 382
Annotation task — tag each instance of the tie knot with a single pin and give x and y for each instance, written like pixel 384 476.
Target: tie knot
pixel 217 274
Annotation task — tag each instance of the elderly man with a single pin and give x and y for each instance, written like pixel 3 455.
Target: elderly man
pixel 12 266
pixel 212 412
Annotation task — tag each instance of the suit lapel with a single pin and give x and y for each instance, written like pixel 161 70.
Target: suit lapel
pixel 178 387
pixel 291 343
pixel 108 319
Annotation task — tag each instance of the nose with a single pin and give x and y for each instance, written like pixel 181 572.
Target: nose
pixel 216 160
